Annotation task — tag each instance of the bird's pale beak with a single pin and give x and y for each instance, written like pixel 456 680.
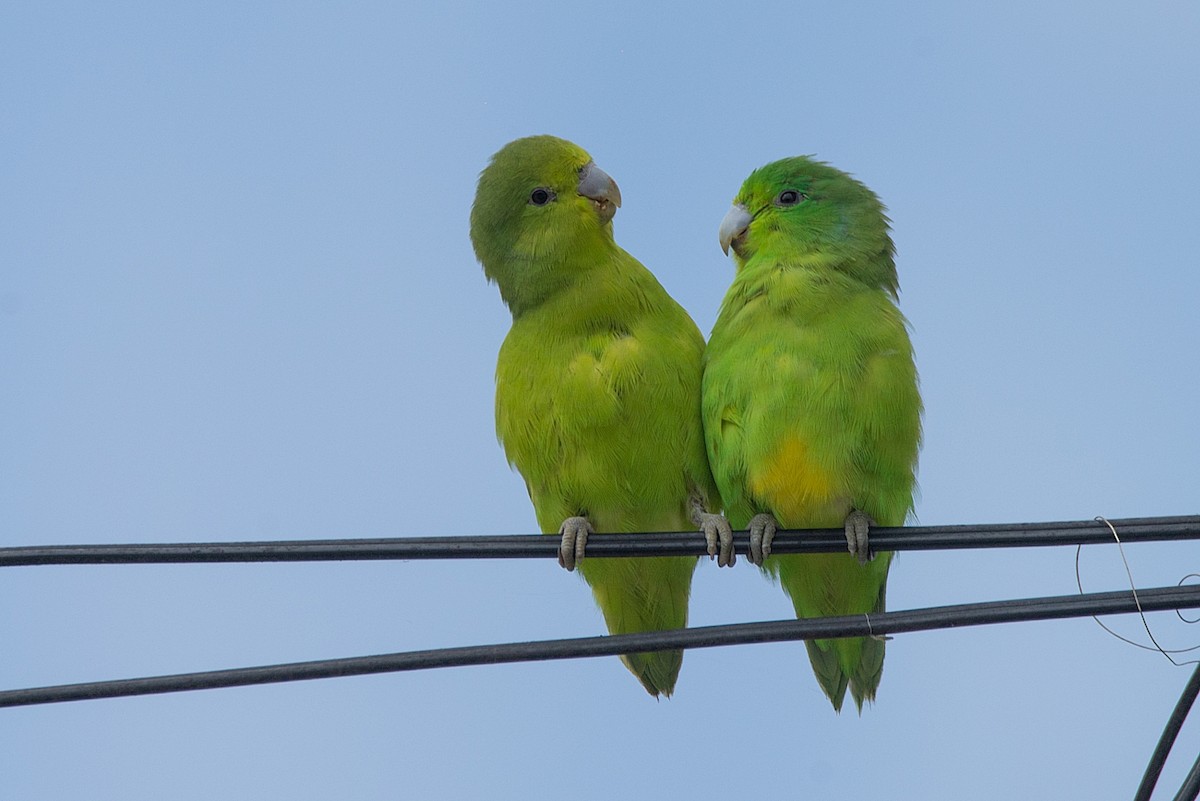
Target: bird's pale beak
pixel 596 185
pixel 734 225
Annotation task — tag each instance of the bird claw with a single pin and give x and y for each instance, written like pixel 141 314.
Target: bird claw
pixel 718 535
pixel 858 526
pixel 574 531
pixel 762 534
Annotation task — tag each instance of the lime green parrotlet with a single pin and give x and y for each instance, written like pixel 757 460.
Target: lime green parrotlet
pixel 597 386
pixel 811 410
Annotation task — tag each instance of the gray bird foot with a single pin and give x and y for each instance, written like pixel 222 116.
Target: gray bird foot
pixel 858 526
pixel 719 537
pixel 762 534
pixel 574 531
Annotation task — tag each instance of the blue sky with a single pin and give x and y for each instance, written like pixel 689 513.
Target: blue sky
pixel 238 301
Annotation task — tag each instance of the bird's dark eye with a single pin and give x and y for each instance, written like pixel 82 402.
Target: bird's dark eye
pixel 540 196
pixel 789 197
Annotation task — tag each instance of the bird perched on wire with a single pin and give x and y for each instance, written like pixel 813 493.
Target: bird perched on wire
pixel 812 414
pixel 597 386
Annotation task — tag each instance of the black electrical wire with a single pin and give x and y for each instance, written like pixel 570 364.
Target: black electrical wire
pixel 975 614
pixel 908 538
pixel 1167 740
pixel 1191 785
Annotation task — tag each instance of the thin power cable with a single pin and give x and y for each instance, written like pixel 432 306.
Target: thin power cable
pixel 1167 740
pixel 1167 652
pixel 975 614
pixel 535 546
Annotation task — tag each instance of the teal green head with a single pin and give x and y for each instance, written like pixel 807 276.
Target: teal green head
pixel 806 212
pixel 543 211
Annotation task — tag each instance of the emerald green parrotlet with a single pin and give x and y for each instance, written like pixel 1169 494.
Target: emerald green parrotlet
pixel 597 386
pixel 812 414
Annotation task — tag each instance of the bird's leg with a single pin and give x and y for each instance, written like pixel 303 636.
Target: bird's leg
pixel 762 534
pixel 716 532
pixel 858 524
pixel 574 531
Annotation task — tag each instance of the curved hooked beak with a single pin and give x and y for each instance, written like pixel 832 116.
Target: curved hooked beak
pixel 734 225
pixel 596 185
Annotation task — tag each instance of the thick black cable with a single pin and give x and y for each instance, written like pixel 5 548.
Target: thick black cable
pixel 1191 785
pixel 1167 740
pixel 908 538
pixel 976 614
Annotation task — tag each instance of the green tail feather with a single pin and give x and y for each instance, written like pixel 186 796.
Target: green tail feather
pixel 827 665
pixel 639 595
pixel 656 671
pixel 864 679
pixel 854 663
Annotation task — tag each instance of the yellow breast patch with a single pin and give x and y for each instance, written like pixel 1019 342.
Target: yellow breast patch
pixel 798 489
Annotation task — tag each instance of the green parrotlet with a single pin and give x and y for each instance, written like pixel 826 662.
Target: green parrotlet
pixel 812 413
pixel 597 386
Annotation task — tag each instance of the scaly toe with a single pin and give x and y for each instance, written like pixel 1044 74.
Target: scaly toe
pixel 571 550
pixel 858 527
pixel 762 533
